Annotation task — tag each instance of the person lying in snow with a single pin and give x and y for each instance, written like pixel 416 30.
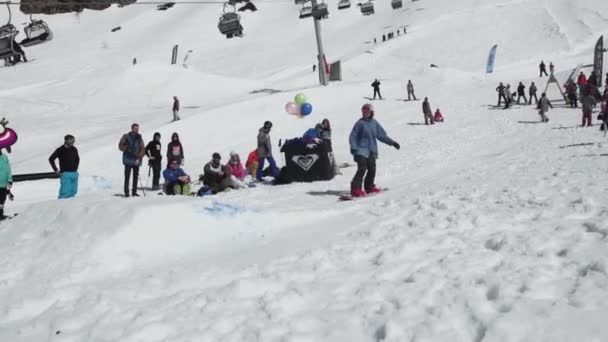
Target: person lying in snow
pixel 177 182
pixel 438 117
pixel 217 176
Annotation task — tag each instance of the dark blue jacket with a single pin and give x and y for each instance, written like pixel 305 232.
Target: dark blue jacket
pixel 172 176
pixel 363 138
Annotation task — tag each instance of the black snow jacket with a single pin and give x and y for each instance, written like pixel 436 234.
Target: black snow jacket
pixel 68 159
pixel 153 150
pixel 521 90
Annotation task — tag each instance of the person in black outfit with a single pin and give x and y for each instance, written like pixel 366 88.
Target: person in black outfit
pixel 501 90
pixel 543 69
pixel 376 86
pixel 521 92
pixel 154 159
pixel 68 167
pixel 532 92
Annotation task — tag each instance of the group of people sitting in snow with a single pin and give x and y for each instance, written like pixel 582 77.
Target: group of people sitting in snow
pixel 584 90
pixel 217 176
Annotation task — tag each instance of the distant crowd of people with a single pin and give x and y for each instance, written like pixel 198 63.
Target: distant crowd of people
pixel 585 90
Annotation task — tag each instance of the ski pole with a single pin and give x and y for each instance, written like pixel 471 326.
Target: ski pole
pixel 143 190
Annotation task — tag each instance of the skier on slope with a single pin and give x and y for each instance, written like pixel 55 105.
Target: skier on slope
pixel 376 86
pixel 410 90
pixel 132 146
pixel 427 112
pixel 364 148
pixel 154 159
pixel 68 167
pixel 543 107
pixel 532 92
pixel 521 92
pixel 501 90
pixel 543 69
pixel 175 150
pixel 6 181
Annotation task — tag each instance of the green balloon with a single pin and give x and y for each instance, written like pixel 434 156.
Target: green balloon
pixel 300 99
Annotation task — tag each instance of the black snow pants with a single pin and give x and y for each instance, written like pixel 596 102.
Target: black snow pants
pixel 128 169
pixel 155 165
pixel 364 165
pixel 3 194
pixel 377 91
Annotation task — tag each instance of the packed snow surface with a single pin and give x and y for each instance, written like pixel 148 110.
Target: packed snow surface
pixel 494 227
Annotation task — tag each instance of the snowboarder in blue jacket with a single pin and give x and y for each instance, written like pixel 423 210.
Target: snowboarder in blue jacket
pixel 364 148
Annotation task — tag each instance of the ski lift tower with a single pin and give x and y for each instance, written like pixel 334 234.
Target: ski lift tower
pixel 323 76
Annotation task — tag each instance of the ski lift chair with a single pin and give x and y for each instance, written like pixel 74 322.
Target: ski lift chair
pixel 230 25
pixel 37 32
pixel 320 11
pixel 305 12
pixel 397 4
pixel 7 37
pixel 367 8
pixel 343 4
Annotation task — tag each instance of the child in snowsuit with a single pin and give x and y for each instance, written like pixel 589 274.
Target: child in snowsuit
pixel 438 117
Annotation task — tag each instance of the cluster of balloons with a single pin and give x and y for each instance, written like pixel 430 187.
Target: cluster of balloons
pixel 299 107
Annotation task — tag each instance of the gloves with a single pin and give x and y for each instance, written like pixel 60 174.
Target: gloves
pixel 318 141
pixel 396 145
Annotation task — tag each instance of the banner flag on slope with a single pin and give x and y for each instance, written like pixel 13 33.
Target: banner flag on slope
pixel 491 58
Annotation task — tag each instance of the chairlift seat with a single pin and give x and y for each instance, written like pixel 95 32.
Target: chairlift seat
pixel 6 48
pixel 37 32
pixel 367 8
pixel 305 12
pixel 397 4
pixel 230 25
pixel 343 4
pixel 320 11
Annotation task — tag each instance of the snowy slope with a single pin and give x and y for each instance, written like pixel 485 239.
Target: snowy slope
pixel 494 228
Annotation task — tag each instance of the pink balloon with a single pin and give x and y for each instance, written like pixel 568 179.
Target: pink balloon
pixel 292 108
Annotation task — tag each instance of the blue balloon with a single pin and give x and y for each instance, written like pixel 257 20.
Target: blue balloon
pixel 306 109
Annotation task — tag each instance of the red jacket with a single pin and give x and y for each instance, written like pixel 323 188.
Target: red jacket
pixel 237 170
pixel 582 80
pixel 252 158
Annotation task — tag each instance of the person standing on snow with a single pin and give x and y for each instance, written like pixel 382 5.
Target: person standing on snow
pixel 551 68
pixel 587 102
pixel 532 92
pixel 132 146
pixel 410 91
pixel 68 167
pixel 154 159
pixel 501 90
pixel 543 107
pixel 521 92
pixel 427 112
pixel 509 96
pixel 175 108
pixel 364 148
pixel 6 181
pixel 582 83
pixel 571 93
pixel 265 152
pixel 376 86
pixel 175 150
pixel 543 69
pixel 592 80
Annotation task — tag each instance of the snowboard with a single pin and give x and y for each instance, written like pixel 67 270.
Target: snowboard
pixel 9 217
pixel 351 198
